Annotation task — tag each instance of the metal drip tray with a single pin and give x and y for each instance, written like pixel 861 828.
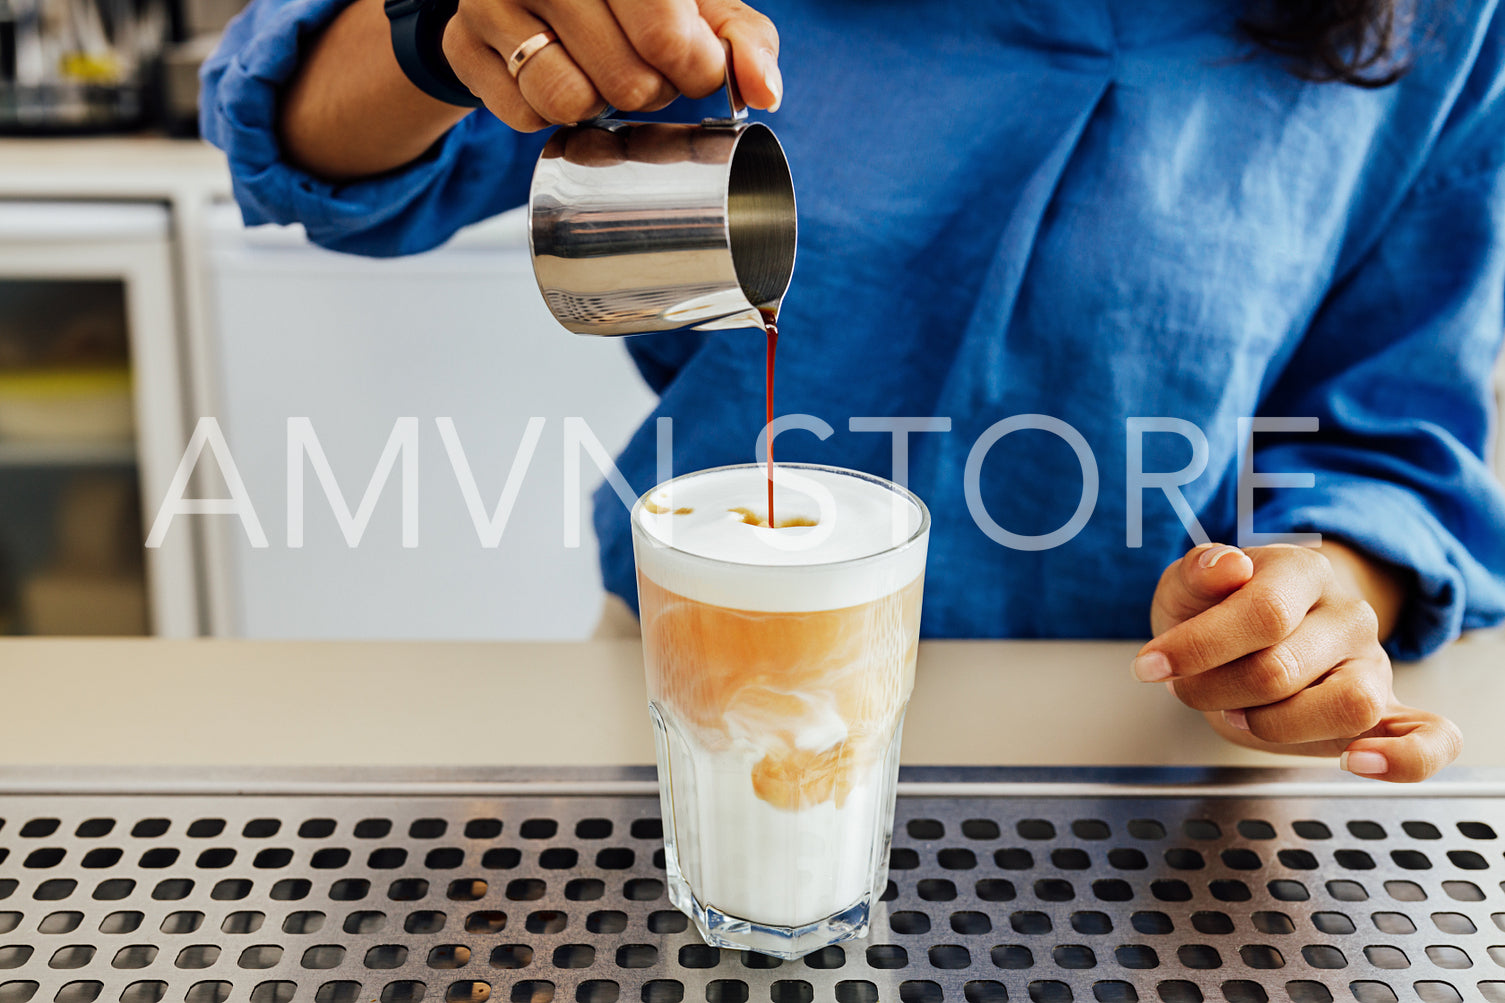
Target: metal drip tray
pixel 1108 885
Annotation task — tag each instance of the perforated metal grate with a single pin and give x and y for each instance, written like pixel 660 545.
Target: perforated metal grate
pixel 463 897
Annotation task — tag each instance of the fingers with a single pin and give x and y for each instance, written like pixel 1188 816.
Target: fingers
pixel 673 37
pixel 591 35
pixel 1348 701
pixel 482 69
pixel 1205 576
pixel 1333 634
pixel 1281 657
pixel 1287 582
pixel 550 87
pixel 755 50
pixel 1406 746
pixel 635 54
pixel 555 87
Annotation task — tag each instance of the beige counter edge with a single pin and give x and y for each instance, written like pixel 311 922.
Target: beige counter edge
pixel 131 702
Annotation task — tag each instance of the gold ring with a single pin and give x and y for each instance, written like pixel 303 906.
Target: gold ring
pixel 529 48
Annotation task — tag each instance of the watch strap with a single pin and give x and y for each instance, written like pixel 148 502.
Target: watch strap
pixel 417 42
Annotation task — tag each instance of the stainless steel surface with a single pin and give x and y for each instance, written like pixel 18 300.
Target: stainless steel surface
pixel 344 886
pixel 642 227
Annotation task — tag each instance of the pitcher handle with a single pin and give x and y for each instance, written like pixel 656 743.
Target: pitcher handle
pixel 734 102
pixel 606 118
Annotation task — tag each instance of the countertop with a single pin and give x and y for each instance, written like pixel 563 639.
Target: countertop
pixel 207 702
pixel 140 167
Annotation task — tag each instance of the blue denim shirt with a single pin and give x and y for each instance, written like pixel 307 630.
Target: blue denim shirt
pixel 1093 212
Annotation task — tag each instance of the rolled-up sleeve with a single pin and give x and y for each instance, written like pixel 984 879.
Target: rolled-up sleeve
pixel 1399 367
pixel 479 168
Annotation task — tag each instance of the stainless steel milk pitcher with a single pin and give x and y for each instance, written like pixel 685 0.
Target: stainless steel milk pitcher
pixel 639 226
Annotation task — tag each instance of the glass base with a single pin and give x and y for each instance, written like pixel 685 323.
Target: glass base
pixel 788 942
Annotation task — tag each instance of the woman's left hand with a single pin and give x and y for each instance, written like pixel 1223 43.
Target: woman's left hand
pixel 1281 650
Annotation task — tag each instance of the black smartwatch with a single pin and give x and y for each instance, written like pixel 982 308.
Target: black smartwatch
pixel 417 37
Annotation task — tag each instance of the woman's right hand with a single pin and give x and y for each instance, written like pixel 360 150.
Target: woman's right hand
pixel 637 55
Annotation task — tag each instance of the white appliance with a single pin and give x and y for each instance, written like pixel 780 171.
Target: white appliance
pixel 355 344
pixel 129 243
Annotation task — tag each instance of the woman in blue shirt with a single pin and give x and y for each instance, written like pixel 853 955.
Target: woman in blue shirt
pixel 1136 222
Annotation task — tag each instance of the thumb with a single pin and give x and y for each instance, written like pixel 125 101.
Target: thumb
pixel 1206 576
pixel 755 50
pixel 1406 746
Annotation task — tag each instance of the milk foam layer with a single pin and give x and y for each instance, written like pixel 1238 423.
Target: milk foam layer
pixel 704 549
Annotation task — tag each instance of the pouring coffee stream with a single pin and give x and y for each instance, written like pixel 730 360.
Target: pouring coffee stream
pixel 641 227
pixel 771 330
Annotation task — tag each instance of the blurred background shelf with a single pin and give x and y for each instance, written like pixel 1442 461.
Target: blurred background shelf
pixel 67 454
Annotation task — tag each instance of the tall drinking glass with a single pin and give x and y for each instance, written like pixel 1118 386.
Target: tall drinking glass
pixel 780 662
